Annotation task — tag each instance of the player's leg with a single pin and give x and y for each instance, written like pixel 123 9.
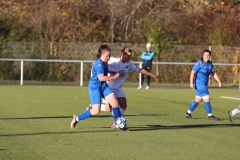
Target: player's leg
pixel 193 105
pixel 208 108
pixel 207 104
pixel 122 104
pixel 112 100
pixel 105 106
pixel 95 98
pixel 236 111
pixel 232 113
pixel 122 101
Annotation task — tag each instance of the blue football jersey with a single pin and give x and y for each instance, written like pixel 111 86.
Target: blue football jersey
pixel 98 68
pixel 203 70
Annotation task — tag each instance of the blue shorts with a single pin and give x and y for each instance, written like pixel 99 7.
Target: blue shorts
pixel 96 94
pixel 202 91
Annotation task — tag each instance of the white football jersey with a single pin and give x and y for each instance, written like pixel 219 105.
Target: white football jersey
pixel 116 65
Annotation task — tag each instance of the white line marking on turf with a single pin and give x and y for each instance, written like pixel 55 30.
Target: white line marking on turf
pixel 229 97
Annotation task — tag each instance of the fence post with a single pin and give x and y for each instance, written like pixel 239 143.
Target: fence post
pixel 81 74
pixel 210 49
pixel 21 76
pixel 140 79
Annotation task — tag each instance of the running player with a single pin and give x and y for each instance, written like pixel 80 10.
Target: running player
pixel 98 87
pixel 122 65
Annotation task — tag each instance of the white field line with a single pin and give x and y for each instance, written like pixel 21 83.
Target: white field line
pixel 230 98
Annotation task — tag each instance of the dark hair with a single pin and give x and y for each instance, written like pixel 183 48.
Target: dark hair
pixel 206 50
pixel 101 49
pixel 125 50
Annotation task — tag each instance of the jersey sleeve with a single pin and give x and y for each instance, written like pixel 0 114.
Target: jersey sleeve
pixel 212 70
pixel 134 68
pixel 196 67
pixel 100 69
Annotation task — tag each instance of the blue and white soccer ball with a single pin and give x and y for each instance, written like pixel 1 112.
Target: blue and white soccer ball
pixel 121 123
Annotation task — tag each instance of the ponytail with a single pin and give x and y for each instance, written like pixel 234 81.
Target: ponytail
pixel 101 49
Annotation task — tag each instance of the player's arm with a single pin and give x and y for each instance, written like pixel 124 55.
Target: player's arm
pixel 192 75
pixel 101 77
pixel 143 71
pixel 112 72
pixel 215 76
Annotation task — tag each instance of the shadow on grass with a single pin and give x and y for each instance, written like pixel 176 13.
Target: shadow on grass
pixel 3 149
pixel 132 129
pixel 161 127
pixel 36 117
pixel 98 116
pixel 75 131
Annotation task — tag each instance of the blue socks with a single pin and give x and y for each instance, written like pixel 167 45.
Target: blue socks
pixel 116 113
pixel 208 107
pixel 193 106
pixel 84 115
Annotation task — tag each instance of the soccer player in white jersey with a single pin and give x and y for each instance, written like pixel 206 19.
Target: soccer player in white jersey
pixel 199 81
pixel 232 113
pixel 122 65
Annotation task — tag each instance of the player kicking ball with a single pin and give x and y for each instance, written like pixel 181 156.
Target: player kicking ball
pixel 121 65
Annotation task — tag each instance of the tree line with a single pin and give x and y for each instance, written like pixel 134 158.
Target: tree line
pixel 164 23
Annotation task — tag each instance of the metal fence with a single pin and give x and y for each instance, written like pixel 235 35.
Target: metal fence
pixel 70 63
pixel 171 72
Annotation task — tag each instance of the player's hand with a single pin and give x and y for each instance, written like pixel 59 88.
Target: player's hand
pixel 116 75
pixel 122 73
pixel 155 78
pixel 220 84
pixel 191 86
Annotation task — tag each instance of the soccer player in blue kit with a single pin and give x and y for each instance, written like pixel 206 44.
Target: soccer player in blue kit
pixel 199 80
pixel 98 87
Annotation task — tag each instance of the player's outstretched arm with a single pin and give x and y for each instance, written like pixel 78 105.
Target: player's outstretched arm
pixel 143 71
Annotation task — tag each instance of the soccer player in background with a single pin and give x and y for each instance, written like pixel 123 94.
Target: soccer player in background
pixel 99 88
pixel 147 57
pixel 232 113
pixel 199 80
pixel 122 65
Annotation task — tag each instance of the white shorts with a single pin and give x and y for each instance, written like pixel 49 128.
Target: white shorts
pixel 204 97
pixel 117 92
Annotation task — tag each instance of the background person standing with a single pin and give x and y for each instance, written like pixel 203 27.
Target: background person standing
pixel 147 57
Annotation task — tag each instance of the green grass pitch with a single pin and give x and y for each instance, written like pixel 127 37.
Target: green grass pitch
pixel 35 125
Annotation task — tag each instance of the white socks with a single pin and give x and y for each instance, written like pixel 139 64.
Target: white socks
pixel 103 107
pixel 236 111
pixel 122 111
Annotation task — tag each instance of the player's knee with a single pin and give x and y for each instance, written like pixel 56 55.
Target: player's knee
pixel 108 110
pixel 206 98
pixel 198 100
pixel 95 112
